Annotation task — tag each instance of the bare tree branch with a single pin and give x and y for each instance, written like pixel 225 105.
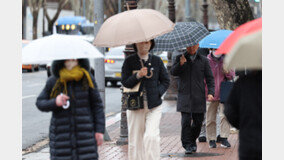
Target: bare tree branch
pixel 61 5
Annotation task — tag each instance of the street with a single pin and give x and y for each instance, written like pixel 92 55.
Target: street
pixel 35 124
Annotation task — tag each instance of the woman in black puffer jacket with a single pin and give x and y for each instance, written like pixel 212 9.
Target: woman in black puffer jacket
pixel 76 131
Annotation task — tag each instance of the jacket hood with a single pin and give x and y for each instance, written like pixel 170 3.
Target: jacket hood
pixel 59 64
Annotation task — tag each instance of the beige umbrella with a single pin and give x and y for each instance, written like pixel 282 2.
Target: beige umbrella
pixel 132 26
pixel 246 54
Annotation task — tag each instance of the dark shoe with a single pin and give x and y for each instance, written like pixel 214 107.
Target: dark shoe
pixel 202 139
pixel 218 139
pixel 194 147
pixel 225 143
pixel 212 144
pixel 188 150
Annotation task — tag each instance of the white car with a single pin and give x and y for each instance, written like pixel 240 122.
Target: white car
pixel 164 57
pixel 114 59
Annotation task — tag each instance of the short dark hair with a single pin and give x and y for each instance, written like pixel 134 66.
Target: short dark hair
pixel 152 45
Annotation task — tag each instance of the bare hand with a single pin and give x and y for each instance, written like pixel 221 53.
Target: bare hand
pixel 225 71
pixel 210 97
pixel 143 72
pixel 182 60
pixel 61 100
pixel 99 138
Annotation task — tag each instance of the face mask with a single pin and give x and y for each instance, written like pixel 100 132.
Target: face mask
pixel 70 64
pixel 217 56
pixel 143 48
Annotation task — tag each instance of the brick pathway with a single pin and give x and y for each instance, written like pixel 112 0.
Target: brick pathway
pixel 170 142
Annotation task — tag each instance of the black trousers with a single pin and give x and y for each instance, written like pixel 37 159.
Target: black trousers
pixel 190 130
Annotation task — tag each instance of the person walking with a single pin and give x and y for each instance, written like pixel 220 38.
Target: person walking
pixel 243 110
pixel 192 68
pixel 143 124
pixel 78 121
pixel 220 75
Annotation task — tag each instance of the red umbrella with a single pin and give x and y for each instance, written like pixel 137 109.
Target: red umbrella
pixel 242 30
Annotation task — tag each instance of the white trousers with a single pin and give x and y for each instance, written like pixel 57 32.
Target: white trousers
pixel 144 133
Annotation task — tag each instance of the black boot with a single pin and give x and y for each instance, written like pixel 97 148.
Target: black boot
pixel 225 143
pixel 188 150
pixel 202 139
pixel 212 144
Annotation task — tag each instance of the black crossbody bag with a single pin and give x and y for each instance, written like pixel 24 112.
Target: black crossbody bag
pixel 134 95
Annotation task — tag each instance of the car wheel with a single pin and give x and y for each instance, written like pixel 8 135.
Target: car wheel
pixel 106 83
pixel 48 72
pixel 113 83
pixel 32 69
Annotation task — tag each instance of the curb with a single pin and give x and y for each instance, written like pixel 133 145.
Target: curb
pixel 111 119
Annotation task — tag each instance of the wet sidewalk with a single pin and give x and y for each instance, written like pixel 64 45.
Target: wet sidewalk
pixel 171 147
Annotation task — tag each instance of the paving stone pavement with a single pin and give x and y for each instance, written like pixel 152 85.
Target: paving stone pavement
pixel 171 148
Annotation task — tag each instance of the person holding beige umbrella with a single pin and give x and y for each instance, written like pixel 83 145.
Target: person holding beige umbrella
pixel 144 76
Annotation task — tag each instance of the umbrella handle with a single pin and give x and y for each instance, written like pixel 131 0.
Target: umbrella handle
pixel 151 71
pixel 151 74
pixel 127 5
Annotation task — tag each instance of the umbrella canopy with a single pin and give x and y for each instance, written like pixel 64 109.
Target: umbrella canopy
pixel 246 54
pixel 214 39
pixel 185 34
pixel 132 26
pixel 242 30
pixel 57 47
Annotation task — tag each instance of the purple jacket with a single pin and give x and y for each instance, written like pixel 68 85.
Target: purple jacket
pixel 218 74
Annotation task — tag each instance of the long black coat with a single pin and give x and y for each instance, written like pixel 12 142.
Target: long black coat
pixel 72 131
pixel 155 86
pixel 243 110
pixel 191 85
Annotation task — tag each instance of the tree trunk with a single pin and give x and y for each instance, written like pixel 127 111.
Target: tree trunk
pixel 35 15
pixel 232 13
pixel 50 27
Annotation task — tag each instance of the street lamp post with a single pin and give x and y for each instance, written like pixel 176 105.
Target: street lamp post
pixel 99 62
pixel 123 140
pixel 172 91
pixel 205 13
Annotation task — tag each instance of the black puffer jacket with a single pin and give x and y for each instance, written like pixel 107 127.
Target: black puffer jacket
pixel 155 86
pixel 244 111
pixel 72 131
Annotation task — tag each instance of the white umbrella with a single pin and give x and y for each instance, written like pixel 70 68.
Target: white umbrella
pixel 58 47
pixel 246 54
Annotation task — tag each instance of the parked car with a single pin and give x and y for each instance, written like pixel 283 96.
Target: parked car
pixel 29 67
pixel 114 59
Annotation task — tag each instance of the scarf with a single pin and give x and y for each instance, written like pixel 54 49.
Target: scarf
pixel 75 74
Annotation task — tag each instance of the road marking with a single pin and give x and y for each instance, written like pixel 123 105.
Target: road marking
pixel 30 96
pixel 109 114
pixel 113 119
